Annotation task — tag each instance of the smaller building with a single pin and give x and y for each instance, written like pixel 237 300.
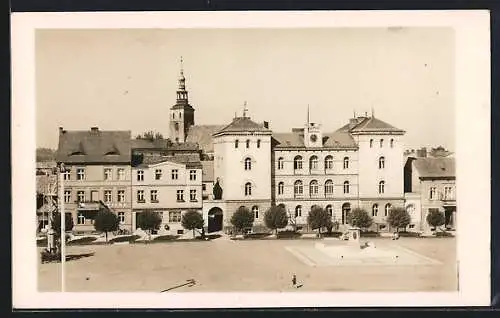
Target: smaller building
pixel 430 186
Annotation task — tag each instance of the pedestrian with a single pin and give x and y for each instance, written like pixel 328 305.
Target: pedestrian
pixel 294 280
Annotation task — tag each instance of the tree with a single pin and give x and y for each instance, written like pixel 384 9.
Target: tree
pixel 150 135
pixel 56 222
pixel 360 218
pixel 435 218
pixel 399 218
pixel 106 221
pixel 276 218
pixel 192 220
pixel 45 154
pixel 318 218
pixel 149 221
pixel 242 219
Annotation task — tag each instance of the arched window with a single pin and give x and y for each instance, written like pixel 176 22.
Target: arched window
pixel 255 211
pixel 392 143
pixel 375 209
pixel 313 188
pixel 313 163
pixel 381 143
pixel 298 188
pixel 281 163
pixel 328 188
pixel 346 187
pixel 173 115
pixel 371 143
pixel 180 115
pixel 297 163
pixel 248 143
pixel 328 162
pixel 387 209
pixel 298 211
pixel 381 162
pixel 381 187
pixel 248 188
pixel 346 162
pixel 258 143
pixel 281 188
pixel 176 126
pixel 346 210
pixel 248 164
pixel 329 210
pixel 236 143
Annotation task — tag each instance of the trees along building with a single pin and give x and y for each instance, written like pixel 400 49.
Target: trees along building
pixel 46 192
pixel 98 171
pixel 430 185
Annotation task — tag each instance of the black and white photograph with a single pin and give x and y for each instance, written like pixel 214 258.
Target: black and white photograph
pixel 237 155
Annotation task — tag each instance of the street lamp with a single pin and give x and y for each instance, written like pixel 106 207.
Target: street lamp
pixel 62 169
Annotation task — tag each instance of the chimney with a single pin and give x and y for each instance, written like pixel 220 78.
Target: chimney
pixel 94 129
pixel 266 124
pixel 352 122
pixel 422 152
pixel 61 130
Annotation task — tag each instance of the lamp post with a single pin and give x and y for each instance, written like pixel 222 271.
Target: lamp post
pixel 63 224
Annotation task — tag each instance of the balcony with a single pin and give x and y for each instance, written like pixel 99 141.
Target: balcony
pixel 88 205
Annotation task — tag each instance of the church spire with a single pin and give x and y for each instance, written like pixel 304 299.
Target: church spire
pixel 182 94
pixel 182 79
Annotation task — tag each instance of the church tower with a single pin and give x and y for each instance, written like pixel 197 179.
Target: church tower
pixel 181 114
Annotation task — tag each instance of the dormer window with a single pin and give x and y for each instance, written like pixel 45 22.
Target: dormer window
pixel 236 143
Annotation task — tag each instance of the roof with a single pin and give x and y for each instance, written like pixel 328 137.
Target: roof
pixel 163 144
pixel 295 139
pixel 372 124
pixel 189 160
pixel 435 167
pixel 243 124
pixel 208 170
pixel 202 135
pixel 94 146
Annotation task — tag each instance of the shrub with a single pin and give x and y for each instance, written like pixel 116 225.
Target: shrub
pixel 435 218
pixel 276 218
pixel 127 238
pixel 288 234
pixel 166 238
pixel 242 219
pixel 106 221
pixel 443 234
pixel 369 234
pixel 318 218
pixel 360 218
pixel 148 221
pixel 192 220
pixel 398 218
pixel 256 236
pixel 82 240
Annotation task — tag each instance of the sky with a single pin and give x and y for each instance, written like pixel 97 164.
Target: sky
pixel 126 79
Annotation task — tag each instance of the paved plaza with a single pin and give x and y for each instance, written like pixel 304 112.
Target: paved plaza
pixel 258 265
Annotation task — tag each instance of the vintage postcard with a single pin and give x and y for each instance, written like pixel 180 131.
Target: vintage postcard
pixel 280 159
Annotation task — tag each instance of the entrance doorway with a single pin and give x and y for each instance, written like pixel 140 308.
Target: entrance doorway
pixel 449 217
pixel 215 216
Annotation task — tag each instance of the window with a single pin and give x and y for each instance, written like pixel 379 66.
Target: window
pixel 204 187
pixel 80 174
pixel 154 195
pixel 392 143
pixel 158 174
pixel 298 211
pixel 371 143
pixel 248 164
pixel 432 193
pixel 346 210
pixel 375 210
pixel 313 163
pixel 346 187
pixel 248 188
pixel 140 175
pixel 236 143
pixel 381 187
pixel 121 195
pixel 121 174
pixel 192 195
pixel 67 175
pixel 328 188
pixel 80 196
pixel 180 195
pixel 381 143
pixel 107 196
pixel 80 219
pixel 297 163
pixel 281 163
pixel 346 162
pixel 121 217
pixel 140 195
pixel 387 209
pixel 255 211
pixel 108 173
pixel 281 188
pixel 175 174
pixel 381 163
pixel 192 175
pixel 329 210
pixel 298 188
pixel 174 216
pixel 67 196
pixel 258 143
pixel 448 193
pixel 313 188
pixel 248 143
pixel 329 162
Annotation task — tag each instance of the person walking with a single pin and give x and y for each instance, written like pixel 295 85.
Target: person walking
pixel 294 280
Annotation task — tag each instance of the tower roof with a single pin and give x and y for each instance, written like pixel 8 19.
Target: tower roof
pixel 371 125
